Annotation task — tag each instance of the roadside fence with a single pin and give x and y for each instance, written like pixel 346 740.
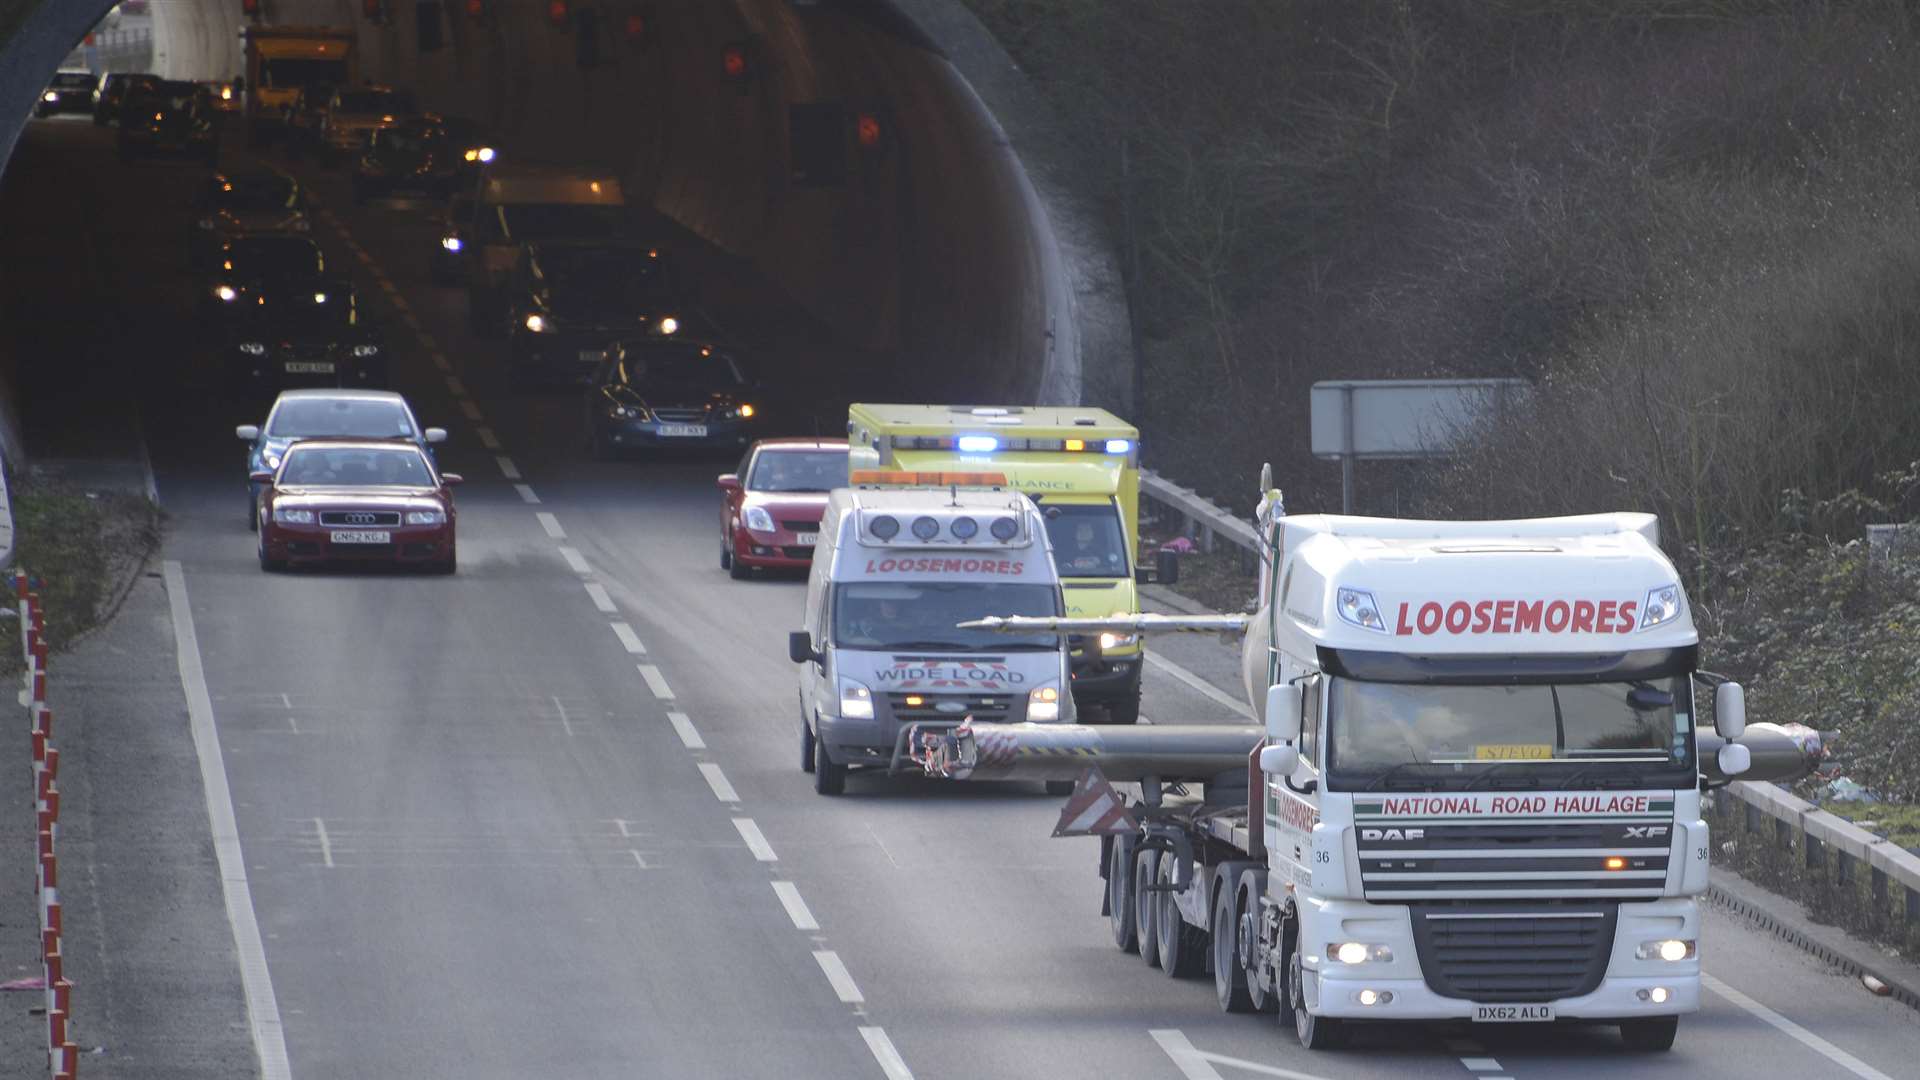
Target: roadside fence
pixel 63 1057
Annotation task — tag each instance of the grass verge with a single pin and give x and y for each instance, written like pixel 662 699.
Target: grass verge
pixel 81 547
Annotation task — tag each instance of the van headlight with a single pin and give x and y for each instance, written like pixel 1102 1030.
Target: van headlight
pixel 856 701
pixel 1043 704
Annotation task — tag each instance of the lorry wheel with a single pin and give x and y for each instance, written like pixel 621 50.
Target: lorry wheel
pixel 1314 1032
pixel 1263 997
pixel 1146 867
pixel 828 778
pixel 1229 978
pixel 1649 1033
pixel 806 745
pixel 1182 947
pixel 1120 897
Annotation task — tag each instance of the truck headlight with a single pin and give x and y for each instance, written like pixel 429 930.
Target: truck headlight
pixel 1662 606
pixel 856 701
pixel 1355 952
pixel 1357 607
pixel 1672 950
pixel 425 517
pixel 292 517
pixel 757 519
pixel 1043 704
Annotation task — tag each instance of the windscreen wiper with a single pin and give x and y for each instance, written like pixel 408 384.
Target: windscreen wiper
pixel 950 645
pixel 1380 779
pixel 1499 767
pixel 1630 778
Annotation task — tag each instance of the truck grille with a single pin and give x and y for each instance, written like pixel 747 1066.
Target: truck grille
pixel 1421 861
pixel 1509 955
pixel 985 708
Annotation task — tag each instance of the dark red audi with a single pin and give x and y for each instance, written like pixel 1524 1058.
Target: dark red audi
pixel 353 501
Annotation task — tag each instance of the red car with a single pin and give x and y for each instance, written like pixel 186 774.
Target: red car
pixel 770 510
pixel 336 500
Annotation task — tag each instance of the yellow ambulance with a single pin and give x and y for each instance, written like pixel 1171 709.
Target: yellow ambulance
pixel 1081 466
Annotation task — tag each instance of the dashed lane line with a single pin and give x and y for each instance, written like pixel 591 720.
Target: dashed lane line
pixel 440 361
pixel 487 438
pixel 689 735
pixel 456 387
pixel 470 410
pixel 601 601
pixel 527 495
pixel 890 1060
pixel 548 521
pixel 796 906
pixel 326 842
pixel 575 560
pixel 717 780
pixel 507 468
pixel 1197 1064
pixel 628 639
pixel 756 840
pixel 838 976
pixel 1206 689
pixel 656 682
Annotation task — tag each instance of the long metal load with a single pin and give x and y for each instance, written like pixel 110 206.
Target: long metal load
pixel 1783 752
pixel 1176 752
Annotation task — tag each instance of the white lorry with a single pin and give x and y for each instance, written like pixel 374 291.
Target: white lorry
pixel 898 564
pixel 1478 781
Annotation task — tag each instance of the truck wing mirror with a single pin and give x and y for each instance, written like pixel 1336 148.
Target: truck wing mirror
pixel 1729 710
pixel 1279 759
pixel 1283 709
pixel 1733 759
pixel 800 648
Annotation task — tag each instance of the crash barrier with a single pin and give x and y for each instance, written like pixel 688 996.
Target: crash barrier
pixel 63 1057
pixel 1202 519
pixel 1848 875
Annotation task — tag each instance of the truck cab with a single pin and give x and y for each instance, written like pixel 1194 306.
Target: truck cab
pixel 1081 467
pixel 901 560
pixel 281 61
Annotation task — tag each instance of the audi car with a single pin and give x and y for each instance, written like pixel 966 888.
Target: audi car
pixel 334 500
pixel 303 333
pixel 770 508
pixel 69 92
pixel 669 395
pixel 328 414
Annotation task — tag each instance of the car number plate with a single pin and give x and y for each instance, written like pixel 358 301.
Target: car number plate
pixel 592 356
pixel 697 431
pixel 806 539
pixel 363 538
pixel 1512 1014
pixel 309 367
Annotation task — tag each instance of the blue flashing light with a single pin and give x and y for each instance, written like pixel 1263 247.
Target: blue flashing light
pixel 977 444
pixel 1119 446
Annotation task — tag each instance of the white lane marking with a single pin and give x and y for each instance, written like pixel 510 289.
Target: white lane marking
pixel 628 639
pixel 797 908
pixel 1807 1038
pixel 263 1009
pixel 1197 1064
pixel 507 468
pixel 470 410
pixel 689 737
pixel 717 780
pixel 656 682
pixel 551 524
pixel 1481 1064
pixel 526 494
pixel 326 842
pixel 440 361
pixel 413 324
pixel 756 840
pixel 565 721
pixel 456 387
pixel 575 560
pixel 838 976
pixel 364 257
pixel 637 858
pixel 621 824
pixel 487 438
pixel 890 1060
pixel 598 594
pixel 389 287
pixel 1206 688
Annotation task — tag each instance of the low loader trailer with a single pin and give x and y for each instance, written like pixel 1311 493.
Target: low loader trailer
pixel 1473 793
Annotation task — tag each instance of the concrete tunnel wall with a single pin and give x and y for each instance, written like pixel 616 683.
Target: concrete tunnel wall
pixel 941 254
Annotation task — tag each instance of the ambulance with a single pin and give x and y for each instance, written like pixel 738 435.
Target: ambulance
pixel 902 559
pixel 1081 467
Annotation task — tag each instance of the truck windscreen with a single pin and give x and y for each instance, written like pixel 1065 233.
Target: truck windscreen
pixel 1088 540
pixel 922 615
pixel 293 72
pixel 1398 736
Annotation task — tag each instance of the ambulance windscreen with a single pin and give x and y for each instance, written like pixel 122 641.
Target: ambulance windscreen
pixel 1088 540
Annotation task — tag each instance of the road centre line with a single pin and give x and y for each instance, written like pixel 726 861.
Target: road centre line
pixel 683 727
pixel 413 324
pixel 471 411
pixel 598 594
pixel 527 495
pixel 796 906
pixel 1206 688
pixel 440 361
pixel 388 287
pixel 574 560
pixel 507 468
pixel 1806 1038
pixel 756 840
pixel 717 780
pixel 1197 1064
pixel 838 976
pixel 550 523
pixel 1481 1064
pixel 456 387
pixel 256 982
pixel 656 682
pixel 628 639
pixel 487 438
pixel 890 1060
pixel 326 843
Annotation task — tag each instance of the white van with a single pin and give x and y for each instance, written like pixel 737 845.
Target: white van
pixel 895 570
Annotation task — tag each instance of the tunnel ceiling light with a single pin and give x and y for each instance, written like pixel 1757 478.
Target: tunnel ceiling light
pixel 557 12
pixel 733 62
pixel 868 131
pixel 250 8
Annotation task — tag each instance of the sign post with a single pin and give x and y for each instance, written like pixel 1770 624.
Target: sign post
pixel 1401 419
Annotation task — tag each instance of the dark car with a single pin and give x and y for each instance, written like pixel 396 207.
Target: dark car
pixel 69 92
pixel 233 204
pixel 246 266
pixel 652 394
pixel 302 117
pixel 474 146
pixel 303 334
pixel 112 94
pixel 446 263
pixel 338 501
pixel 169 118
pixel 566 302
pixel 354 113
pixel 413 155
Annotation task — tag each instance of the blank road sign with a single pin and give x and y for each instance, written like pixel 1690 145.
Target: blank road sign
pixel 1403 418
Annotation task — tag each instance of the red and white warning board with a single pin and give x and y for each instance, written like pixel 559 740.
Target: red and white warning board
pixel 1095 809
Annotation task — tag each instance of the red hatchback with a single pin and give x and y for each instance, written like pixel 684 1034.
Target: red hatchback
pixel 353 501
pixel 770 510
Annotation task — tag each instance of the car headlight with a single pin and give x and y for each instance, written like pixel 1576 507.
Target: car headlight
pixel 49 96
pixel 484 154
pixel 1672 950
pixel 625 412
pixel 1354 952
pixel 292 517
pixel 1117 641
pixel 451 243
pixel 302 225
pixel 741 411
pixel 361 352
pixel 538 323
pixel 757 519
pixel 1043 704
pixel 225 293
pixel 669 325
pixel 253 348
pixel 425 517
pixel 856 701
pixel 270 458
